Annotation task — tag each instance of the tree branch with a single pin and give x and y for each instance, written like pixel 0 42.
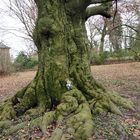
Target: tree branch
pixel 126 25
pixel 99 1
pixel 98 10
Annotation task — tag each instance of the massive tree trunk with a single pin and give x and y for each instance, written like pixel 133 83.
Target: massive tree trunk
pixel 63 86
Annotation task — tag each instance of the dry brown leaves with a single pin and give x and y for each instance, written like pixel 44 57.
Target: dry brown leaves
pixel 9 85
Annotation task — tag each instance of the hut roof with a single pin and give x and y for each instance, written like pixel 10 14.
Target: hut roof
pixel 3 46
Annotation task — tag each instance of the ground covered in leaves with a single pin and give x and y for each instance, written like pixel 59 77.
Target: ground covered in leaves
pixel 123 78
pixel 10 84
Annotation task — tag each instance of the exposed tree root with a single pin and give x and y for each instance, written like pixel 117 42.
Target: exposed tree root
pixel 73 116
pixel 7 111
pixel 110 102
pixel 99 98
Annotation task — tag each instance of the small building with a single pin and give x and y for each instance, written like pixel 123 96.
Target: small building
pixel 4 58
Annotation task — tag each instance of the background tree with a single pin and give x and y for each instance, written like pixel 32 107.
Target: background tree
pixel 120 32
pixel 24 12
pixel 129 23
pixel 115 34
pixel 96 28
pixel 63 84
pixel 136 43
pixel 104 33
pixel 24 61
pixel 93 31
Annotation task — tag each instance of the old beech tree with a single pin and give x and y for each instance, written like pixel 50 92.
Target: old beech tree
pixel 63 52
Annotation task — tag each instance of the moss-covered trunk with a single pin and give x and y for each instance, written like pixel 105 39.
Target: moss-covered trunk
pixel 60 37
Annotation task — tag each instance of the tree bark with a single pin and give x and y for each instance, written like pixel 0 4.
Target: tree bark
pixel 61 39
pixel 103 37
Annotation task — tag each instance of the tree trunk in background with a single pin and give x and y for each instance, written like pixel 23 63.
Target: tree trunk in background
pixel 115 35
pixel 103 37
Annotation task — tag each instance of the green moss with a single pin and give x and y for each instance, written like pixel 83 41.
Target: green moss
pixel 36 122
pixel 36 111
pixel 5 124
pixel 57 134
pixel 28 101
pixel 114 108
pixel 82 122
pixel 77 115
pixel 47 119
pixel 20 93
pixel 68 105
pixel 120 101
pixel 15 128
pixel 7 111
pixel 109 102
pixel 43 98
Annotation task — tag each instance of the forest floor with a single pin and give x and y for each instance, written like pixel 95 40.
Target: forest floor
pixel 123 78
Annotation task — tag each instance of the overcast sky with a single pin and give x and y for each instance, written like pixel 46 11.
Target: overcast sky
pixel 8 34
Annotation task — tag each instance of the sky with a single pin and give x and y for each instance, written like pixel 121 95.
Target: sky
pixel 8 35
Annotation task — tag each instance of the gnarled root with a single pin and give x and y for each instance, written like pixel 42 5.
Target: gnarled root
pixel 20 103
pixel 74 111
pixel 110 102
pixel 6 110
pixel 99 98
pixel 72 118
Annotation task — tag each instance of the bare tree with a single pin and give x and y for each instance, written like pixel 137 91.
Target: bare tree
pixel 26 12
